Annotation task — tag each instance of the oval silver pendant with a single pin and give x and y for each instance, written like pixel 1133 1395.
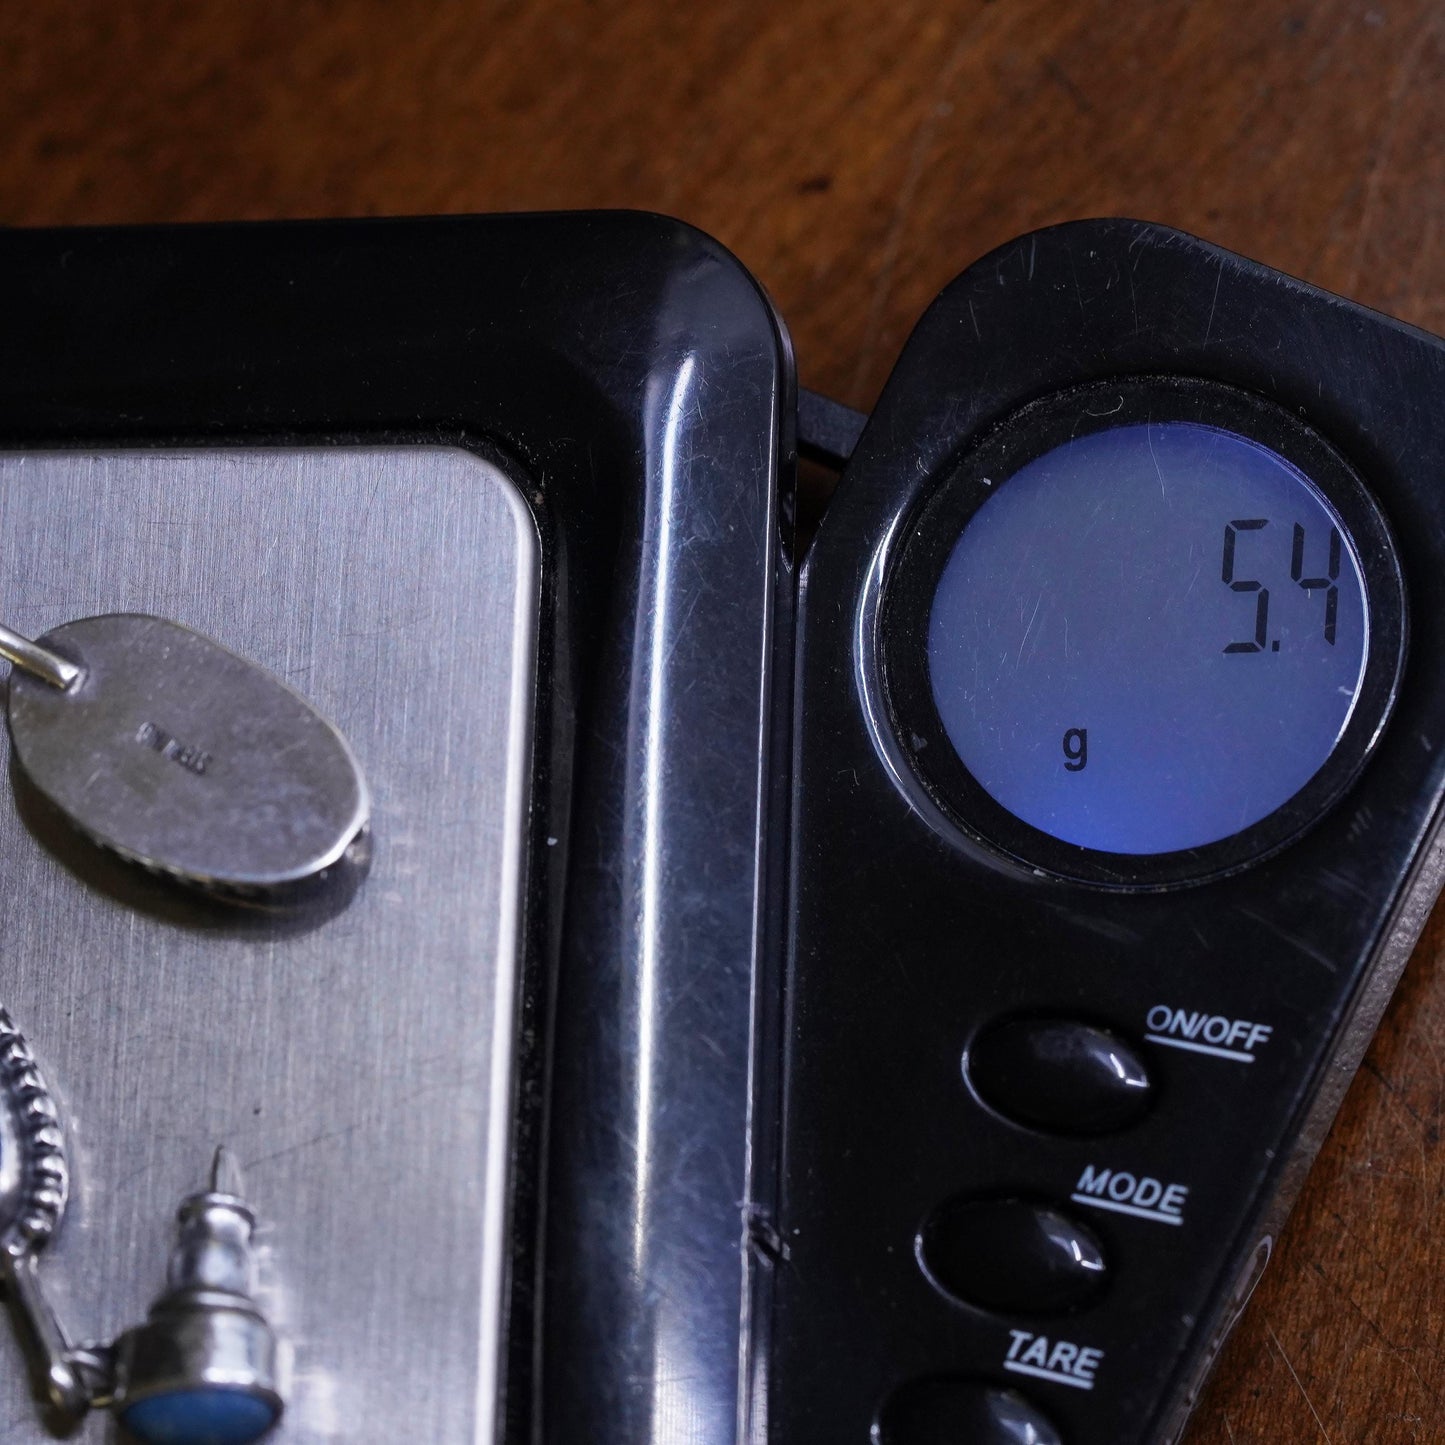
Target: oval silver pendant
pixel 184 757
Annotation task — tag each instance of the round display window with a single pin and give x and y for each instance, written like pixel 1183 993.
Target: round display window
pixel 1146 631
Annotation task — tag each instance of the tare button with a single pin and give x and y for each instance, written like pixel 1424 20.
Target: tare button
pixel 1139 1195
pixel 1201 1032
pixel 1048 1357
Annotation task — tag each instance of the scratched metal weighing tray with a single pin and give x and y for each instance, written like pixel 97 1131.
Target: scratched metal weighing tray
pixel 452 481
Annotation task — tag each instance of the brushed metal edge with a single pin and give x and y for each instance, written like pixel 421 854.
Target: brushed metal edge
pixel 504 1016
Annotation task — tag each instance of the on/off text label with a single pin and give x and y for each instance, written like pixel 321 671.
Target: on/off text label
pixel 1199 1032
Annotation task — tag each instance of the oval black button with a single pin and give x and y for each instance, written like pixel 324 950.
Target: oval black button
pixel 1011 1255
pixel 961 1412
pixel 1060 1075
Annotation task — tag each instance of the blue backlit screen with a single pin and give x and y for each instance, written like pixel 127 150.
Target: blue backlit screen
pixel 1149 638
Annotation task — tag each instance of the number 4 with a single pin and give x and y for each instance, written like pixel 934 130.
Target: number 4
pixel 1296 571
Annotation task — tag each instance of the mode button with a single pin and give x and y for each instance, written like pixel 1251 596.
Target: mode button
pixel 1013 1255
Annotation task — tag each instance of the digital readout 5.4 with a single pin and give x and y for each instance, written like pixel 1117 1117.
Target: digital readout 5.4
pixel 1149 638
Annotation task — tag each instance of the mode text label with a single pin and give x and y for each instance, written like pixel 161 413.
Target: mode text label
pixel 1138 1194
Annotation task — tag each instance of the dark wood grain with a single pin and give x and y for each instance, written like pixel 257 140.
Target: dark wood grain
pixel 856 155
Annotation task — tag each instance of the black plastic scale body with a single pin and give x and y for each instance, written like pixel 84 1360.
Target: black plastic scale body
pixel 919 1293
pixel 768 1165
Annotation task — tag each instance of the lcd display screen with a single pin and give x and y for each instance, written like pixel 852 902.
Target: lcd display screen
pixel 1149 638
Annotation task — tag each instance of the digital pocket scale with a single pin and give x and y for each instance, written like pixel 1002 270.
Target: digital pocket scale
pixel 891 1003
pixel 1115 793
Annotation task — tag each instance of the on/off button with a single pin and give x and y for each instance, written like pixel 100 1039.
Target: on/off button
pixel 1059 1074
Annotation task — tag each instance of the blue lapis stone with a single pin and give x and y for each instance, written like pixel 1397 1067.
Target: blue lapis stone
pixel 208 1416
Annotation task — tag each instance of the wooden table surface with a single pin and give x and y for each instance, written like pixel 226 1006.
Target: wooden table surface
pixel 855 156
